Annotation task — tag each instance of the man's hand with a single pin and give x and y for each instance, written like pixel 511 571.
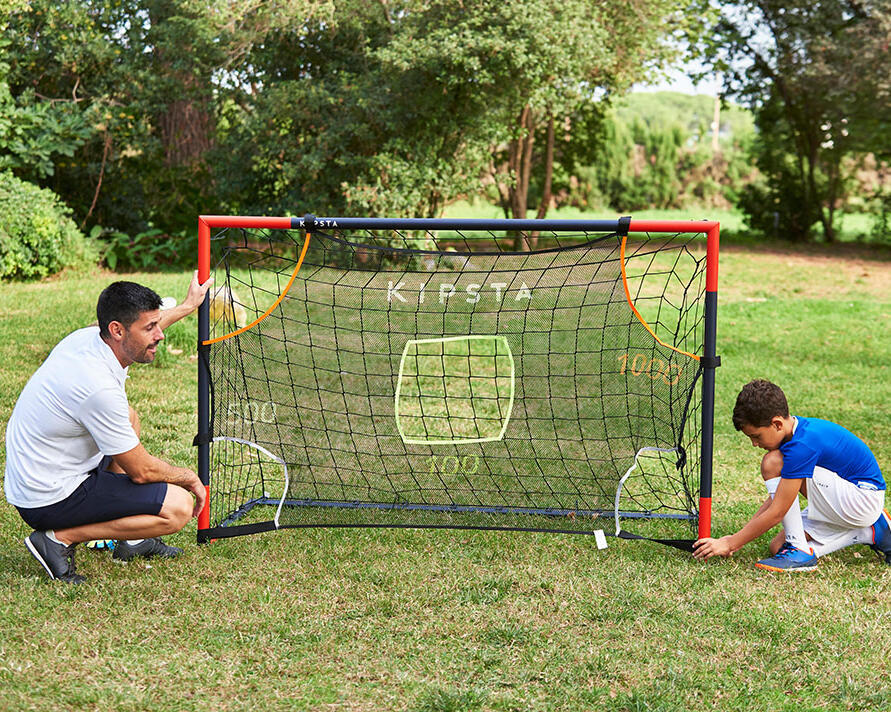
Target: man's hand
pixel 708 547
pixel 194 299
pixel 200 492
pixel 196 293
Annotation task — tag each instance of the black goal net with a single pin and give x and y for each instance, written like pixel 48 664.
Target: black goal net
pixel 526 376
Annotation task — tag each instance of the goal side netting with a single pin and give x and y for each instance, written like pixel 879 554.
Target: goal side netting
pixel 520 375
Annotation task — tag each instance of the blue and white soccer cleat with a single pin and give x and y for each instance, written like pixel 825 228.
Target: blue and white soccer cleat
pixel 790 559
pixel 881 536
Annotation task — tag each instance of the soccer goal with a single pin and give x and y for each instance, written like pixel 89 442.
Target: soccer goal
pixel 535 375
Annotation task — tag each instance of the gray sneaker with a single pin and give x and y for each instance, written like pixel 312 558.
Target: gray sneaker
pixel 147 548
pixel 56 559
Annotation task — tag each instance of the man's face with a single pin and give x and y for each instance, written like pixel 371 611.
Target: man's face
pixel 141 339
pixel 769 437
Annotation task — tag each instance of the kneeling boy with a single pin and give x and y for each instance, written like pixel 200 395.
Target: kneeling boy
pixel 831 467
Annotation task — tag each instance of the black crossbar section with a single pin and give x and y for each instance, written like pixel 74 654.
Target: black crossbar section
pixel 206 535
pixel 493 225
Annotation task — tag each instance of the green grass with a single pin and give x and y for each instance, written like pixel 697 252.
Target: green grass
pixel 466 621
pixel 850 227
pixel 730 220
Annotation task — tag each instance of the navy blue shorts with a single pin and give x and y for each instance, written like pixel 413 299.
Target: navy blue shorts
pixel 102 497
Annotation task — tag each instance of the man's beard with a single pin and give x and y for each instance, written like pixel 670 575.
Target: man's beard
pixel 146 355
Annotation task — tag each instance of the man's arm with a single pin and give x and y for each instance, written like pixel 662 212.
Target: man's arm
pixel 766 518
pixel 193 300
pixel 142 468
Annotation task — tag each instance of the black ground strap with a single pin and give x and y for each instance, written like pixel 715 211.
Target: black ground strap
pixel 682 544
pixel 206 535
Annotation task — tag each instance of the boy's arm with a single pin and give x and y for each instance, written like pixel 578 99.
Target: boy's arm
pixel 766 518
pixel 193 300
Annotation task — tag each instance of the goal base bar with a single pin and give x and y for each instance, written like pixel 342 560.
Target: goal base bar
pixel 229 528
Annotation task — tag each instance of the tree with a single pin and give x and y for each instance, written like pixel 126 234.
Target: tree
pixel 116 101
pixel 815 75
pixel 399 106
pixel 567 59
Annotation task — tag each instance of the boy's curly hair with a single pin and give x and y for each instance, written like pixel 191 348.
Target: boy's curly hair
pixel 757 403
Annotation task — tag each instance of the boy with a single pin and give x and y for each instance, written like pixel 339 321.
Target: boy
pixel 830 466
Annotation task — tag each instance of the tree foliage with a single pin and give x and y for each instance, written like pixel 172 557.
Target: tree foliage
pixel 141 114
pixel 658 150
pixel 175 107
pixel 815 75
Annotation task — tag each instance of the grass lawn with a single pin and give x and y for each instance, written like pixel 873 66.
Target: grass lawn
pixel 444 621
pixel 850 226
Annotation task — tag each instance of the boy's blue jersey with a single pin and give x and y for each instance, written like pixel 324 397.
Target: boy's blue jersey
pixel 821 443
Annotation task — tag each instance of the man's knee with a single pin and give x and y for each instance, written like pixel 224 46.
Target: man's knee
pixel 177 507
pixel 771 464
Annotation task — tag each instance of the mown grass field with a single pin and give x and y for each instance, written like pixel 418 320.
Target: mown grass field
pixel 462 621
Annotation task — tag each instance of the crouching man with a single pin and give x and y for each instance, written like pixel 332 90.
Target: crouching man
pixel 75 468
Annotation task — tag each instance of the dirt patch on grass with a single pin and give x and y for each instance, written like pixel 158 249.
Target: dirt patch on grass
pixel 759 273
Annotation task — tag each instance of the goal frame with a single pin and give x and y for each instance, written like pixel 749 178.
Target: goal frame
pixel 709 360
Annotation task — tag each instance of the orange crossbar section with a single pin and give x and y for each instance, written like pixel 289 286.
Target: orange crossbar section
pixel 274 304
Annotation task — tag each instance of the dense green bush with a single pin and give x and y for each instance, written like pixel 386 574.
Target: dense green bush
pixel 151 249
pixel 37 235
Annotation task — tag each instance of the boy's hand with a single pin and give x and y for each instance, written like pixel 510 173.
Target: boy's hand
pixel 708 547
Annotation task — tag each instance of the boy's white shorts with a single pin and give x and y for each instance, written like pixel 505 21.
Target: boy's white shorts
pixel 835 506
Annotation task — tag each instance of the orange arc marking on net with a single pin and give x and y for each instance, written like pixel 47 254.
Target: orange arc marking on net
pixel 634 308
pixel 274 305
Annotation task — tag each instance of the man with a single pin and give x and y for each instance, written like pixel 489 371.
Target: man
pixel 75 468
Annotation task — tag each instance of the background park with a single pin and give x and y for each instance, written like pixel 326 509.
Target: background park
pixel 123 120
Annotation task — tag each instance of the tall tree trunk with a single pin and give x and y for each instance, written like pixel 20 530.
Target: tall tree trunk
pixel 545 202
pixel 520 163
pixel 186 128
pixel 520 171
pixel 185 121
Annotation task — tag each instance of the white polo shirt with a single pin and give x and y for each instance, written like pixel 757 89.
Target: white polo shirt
pixel 70 414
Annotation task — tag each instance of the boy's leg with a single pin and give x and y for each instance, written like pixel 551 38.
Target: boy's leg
pixel 793 528
pixel 881 532
pixel 840 514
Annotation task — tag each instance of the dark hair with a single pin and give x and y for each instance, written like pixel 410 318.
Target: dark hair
pixel 124 302
pixel 757 403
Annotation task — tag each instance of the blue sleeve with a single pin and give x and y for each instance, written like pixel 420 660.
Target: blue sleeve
pixel 799 460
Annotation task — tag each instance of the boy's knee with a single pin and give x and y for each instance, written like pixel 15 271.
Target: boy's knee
pixel 771 464
pixel 177 507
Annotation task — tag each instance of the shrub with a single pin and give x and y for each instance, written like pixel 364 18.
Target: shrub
pixel 37 235
pixel 147 250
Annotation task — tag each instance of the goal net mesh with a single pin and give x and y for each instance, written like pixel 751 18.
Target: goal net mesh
pixel 449 379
